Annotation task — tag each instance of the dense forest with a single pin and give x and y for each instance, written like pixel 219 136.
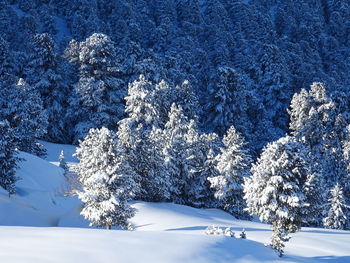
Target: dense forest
pixel 241 58
pixel 202 102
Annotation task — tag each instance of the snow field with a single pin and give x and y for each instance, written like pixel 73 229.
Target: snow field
pixel 40 225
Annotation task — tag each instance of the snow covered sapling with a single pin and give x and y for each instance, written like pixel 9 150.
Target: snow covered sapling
pixel 338 210
pixel 243 235
pixel 8 158
pixel 62 162
pixel 233 165
pixel 106 178
pixel 274 192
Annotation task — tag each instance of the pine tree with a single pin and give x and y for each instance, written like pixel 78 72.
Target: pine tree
pixel 107 180
pixel 314 194
pixel 199 149
pixel 165 95
pixel 176 154
pixel 338 210
pixel 210 171
pixel 274 83
pixel 228 99
pixel 311 115
pixel 8 158
pixel 62 162
pixel 24 111
pixel 100 89
pixel 7 66
pixel 233 166
pixel 43 74
pixel 316 123
pixel 158 188
pixel 139 135
pixel 275 190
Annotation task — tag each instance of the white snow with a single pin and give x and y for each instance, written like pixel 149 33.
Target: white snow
pixel 40 225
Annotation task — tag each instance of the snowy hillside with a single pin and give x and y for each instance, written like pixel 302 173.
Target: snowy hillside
pixel 163 232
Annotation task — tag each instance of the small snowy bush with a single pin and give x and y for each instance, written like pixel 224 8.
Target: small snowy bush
pixel 213 230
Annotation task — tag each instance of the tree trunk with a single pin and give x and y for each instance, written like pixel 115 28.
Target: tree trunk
pixel 108 227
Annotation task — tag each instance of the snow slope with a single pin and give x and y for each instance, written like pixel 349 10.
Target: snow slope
pixel 40 225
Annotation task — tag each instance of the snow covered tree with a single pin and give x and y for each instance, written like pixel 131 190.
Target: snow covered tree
pixel 209 171
pixel 24 111
pixel 311 113
pixel 200 148
pixel 43 74
pixel 176 154
pixel 62 161
pixel 227 100
pixel 139 135
pixel 7 67
pixel 100 89
pixel 233 164
pixel 274 192
pixel 271 74
pixel 107 180
pixel 164 95
pixel 338 210
pixel 314 194
pixel 158 183
pixel 8 158
pixel 315 122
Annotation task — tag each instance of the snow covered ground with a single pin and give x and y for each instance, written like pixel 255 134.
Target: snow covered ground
pixel 40 225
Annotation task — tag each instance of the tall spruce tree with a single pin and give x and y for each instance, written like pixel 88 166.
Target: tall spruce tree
pixel 228 99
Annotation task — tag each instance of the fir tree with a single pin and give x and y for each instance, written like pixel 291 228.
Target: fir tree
pixel 107 180
pixel 43 74
pixel 314 194
pixel 100 89
pixel 338 210
pixel 233 166
pixel 62 162
pixel 311 115
pixel 142 142
pixel 8 158
pixel 24 111
pixel 199 150
pixel 275 190
pixel 177 157
pixel 210 171
pixel 228 99
pixel 316 123
pixel 7 67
